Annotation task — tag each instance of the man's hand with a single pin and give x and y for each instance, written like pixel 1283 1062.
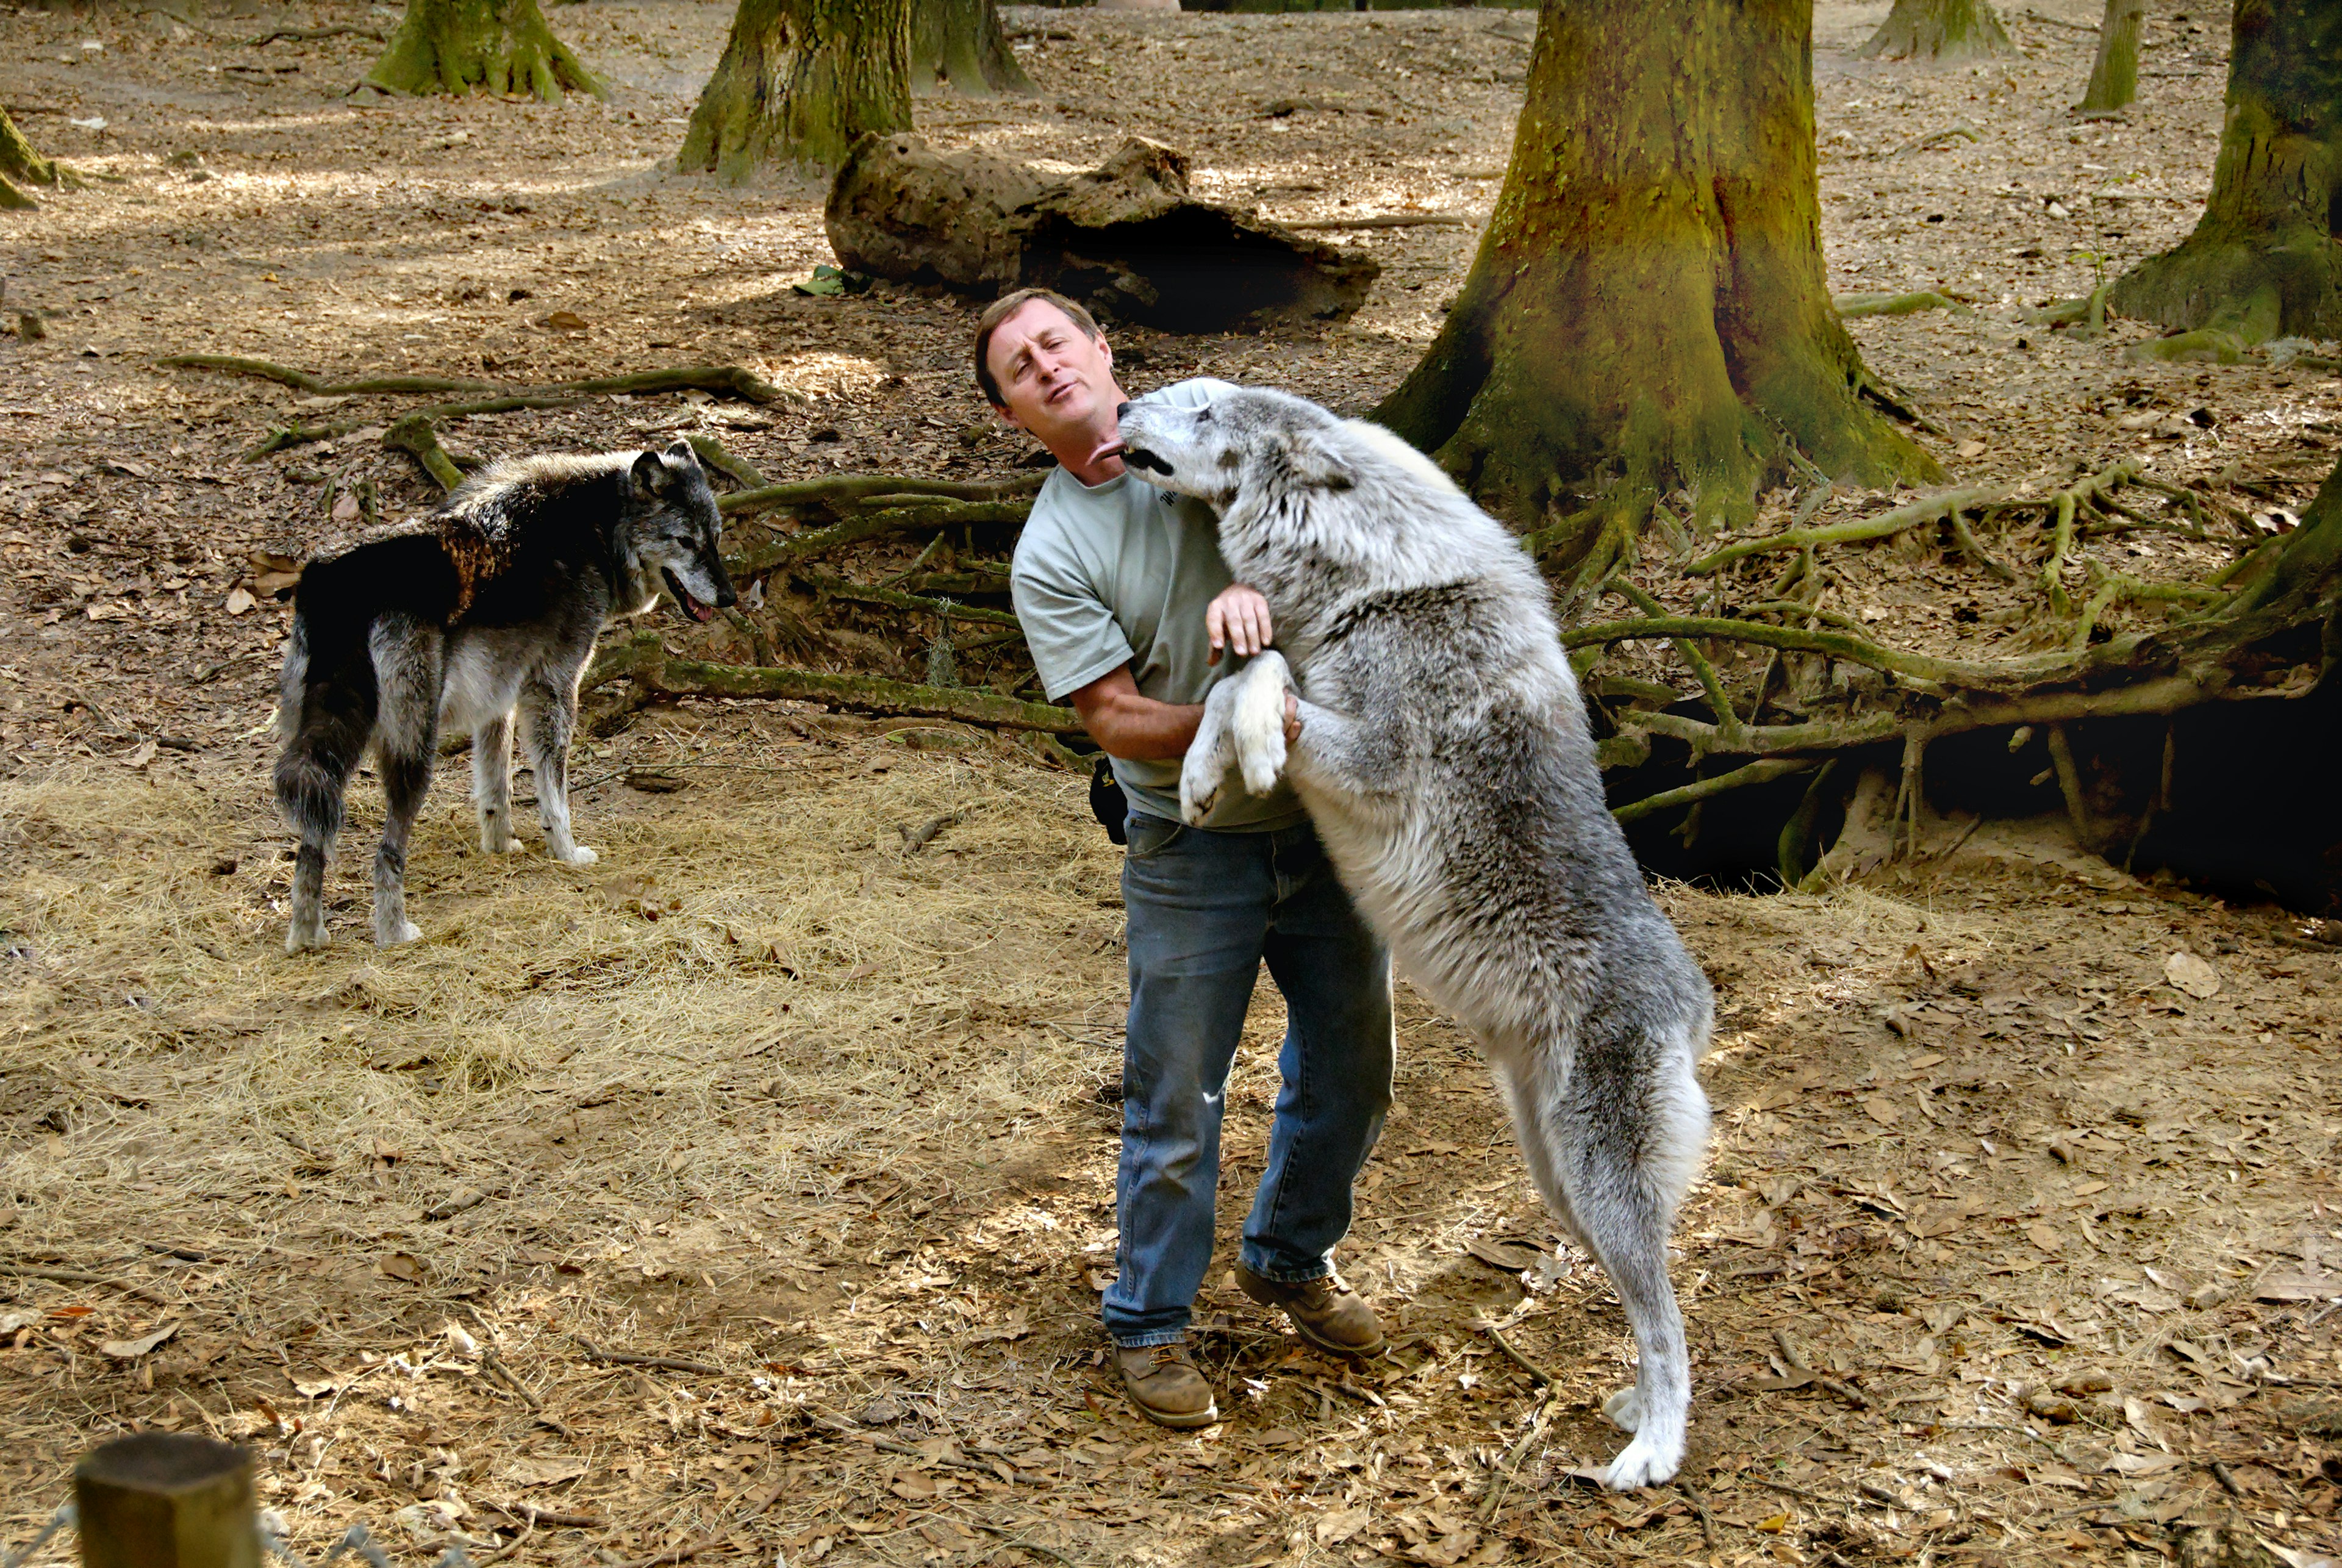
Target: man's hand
pixel 1237 620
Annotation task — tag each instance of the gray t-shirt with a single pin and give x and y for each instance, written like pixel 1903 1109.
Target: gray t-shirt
pixel 1120 573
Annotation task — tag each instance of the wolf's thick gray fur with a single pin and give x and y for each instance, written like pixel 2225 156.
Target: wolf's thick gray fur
pixel 1445 758
pixel 483 615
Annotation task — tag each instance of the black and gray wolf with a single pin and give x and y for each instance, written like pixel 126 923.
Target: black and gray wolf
pixel 482 614
pixel 1445 756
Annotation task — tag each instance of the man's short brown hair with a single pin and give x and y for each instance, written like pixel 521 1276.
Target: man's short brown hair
pixel 1000 310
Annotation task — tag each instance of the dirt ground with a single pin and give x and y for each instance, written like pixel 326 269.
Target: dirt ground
pixel 2045 1210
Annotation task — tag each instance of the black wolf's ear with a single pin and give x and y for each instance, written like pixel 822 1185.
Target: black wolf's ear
pixel 652 477
pixel 1315 463
pixel 680 453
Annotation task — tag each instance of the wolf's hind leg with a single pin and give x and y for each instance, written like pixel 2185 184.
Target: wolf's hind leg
pixel 325 742
pixel 547 712
pixel 492 784
pixel 408 663
pixel 1205 770
pixel 1259 724
pixel 1613 1173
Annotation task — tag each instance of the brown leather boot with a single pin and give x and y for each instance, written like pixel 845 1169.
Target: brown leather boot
pixel 1165 1383
pixel 1329 1314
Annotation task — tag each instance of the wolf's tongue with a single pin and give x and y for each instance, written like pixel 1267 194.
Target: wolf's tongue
pixel 1113 448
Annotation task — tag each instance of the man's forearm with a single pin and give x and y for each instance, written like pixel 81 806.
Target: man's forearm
pixel 1142 729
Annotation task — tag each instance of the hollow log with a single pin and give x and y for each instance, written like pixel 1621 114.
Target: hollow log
pixel 1125 239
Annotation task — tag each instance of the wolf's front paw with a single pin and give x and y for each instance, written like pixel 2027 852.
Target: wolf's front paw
pixel 575 855
pixel 498 841
pixel 399 936
pixel 1199 788
pixel 1258 730
pixel 303 939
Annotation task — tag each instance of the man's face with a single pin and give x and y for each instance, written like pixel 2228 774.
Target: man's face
pixel 1057 381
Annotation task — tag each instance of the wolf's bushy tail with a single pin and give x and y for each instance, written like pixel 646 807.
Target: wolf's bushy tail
pixel 326 704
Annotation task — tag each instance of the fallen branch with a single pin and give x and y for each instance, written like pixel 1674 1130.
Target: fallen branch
pixel 643 658
pixel 1538 1375
pixel 311 34
pixel 662 1363
pixel 724 380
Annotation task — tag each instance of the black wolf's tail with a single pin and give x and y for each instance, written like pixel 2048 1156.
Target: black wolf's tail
pixel 329 697
pixel 325 709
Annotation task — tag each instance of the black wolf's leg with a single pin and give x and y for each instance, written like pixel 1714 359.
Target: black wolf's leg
pixel 548 712
pixel 409 663
pixel 492 784
pixel 326 728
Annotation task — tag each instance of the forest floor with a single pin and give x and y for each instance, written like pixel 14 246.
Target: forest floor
pixel 2055 1236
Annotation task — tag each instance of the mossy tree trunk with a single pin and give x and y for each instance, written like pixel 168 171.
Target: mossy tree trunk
pixel 961 42
pixel 501 47
pixel 798 82
pixel 1649 306
pixel 1939 30
pixel 2263 262
pixel 20 165
pixel 2114 74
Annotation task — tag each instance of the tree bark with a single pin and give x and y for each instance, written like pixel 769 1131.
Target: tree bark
pixel 1939 30
pixel 1649 306
pixel 799 81
pixel 961 42
pixel 2263 262
pixel 2114 74
pixel 20 165
pixel 501 47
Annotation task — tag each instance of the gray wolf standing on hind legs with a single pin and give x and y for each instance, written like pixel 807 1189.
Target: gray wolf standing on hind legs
pixel 1445 758
pixel 484 614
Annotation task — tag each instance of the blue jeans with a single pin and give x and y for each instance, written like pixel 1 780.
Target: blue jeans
pixel 1205 908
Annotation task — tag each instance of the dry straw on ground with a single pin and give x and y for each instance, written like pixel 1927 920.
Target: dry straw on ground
pixel 808 1125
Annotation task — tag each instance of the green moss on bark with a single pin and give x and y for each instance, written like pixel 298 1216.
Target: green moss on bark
pixel 1649 306
pixel 798 82
pixel 20 165
pixel 2114 73
pixel 1939 30
pixel 500 47
pixel 961 42
pixel 2263 262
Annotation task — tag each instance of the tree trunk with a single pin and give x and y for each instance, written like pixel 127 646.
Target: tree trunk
pixel 20 165
pixel 501 47
pixel 2263 262
pixel 798 82
pixel 961 42
pixel 2114 74
pixel 1939 30
pixel 1648 303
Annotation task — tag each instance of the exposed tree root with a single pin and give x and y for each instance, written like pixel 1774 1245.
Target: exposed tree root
pixel 1927 509
pixel 1763 771
pixel 1895 304
pixel 722 380
pixel 415 435
pixel 643 658
pixel 864 592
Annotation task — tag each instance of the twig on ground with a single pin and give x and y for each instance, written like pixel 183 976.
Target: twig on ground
pixel 662 1363
pixel 1796 1357
pixel 1538 1375
pixel 1699 1506
pixel 85 1277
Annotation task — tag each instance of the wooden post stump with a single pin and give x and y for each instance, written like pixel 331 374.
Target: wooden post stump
pixel 167 1500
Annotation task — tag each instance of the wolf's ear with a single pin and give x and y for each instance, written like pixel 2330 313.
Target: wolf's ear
pixel 1315 463
pixel 681 453
pixel 652 477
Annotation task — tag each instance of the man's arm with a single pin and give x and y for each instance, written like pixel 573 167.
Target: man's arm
pixel 1136 727
pixel 1143 730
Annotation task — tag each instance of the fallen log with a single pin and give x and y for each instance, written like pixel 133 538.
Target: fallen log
pixel 644 659
pixel 1127 239
pixel 722 380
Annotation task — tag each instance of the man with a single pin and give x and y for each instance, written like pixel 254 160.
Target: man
pixel 1126 605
